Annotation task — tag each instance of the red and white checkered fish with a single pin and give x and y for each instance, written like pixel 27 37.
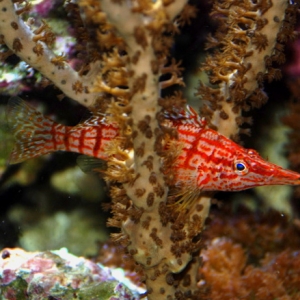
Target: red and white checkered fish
pixel 36 134
pixel 208 161
pixel 211 162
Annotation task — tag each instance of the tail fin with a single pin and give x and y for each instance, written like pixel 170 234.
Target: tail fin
pixel 32 131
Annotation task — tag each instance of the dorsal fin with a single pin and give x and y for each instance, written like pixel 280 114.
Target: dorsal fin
pixel 186 116
pixel 90 119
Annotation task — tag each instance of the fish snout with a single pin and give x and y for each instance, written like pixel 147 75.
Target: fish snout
pixel 285 177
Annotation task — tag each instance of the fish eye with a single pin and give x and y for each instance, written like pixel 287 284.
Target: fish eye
pixel 240 167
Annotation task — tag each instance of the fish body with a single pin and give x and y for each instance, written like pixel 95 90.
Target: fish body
pixel 208 160
pixel 36 134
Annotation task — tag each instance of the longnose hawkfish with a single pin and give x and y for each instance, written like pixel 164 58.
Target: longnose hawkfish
pixel 208 161
pixel 37 135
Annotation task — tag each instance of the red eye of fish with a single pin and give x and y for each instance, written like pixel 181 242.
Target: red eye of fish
pixel 240 167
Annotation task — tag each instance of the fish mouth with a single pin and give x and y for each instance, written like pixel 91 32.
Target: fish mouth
pixel 284 177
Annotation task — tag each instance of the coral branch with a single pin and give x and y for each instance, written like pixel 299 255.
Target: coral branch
pixel 34 47
pixel 159 256
pixel 248 42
